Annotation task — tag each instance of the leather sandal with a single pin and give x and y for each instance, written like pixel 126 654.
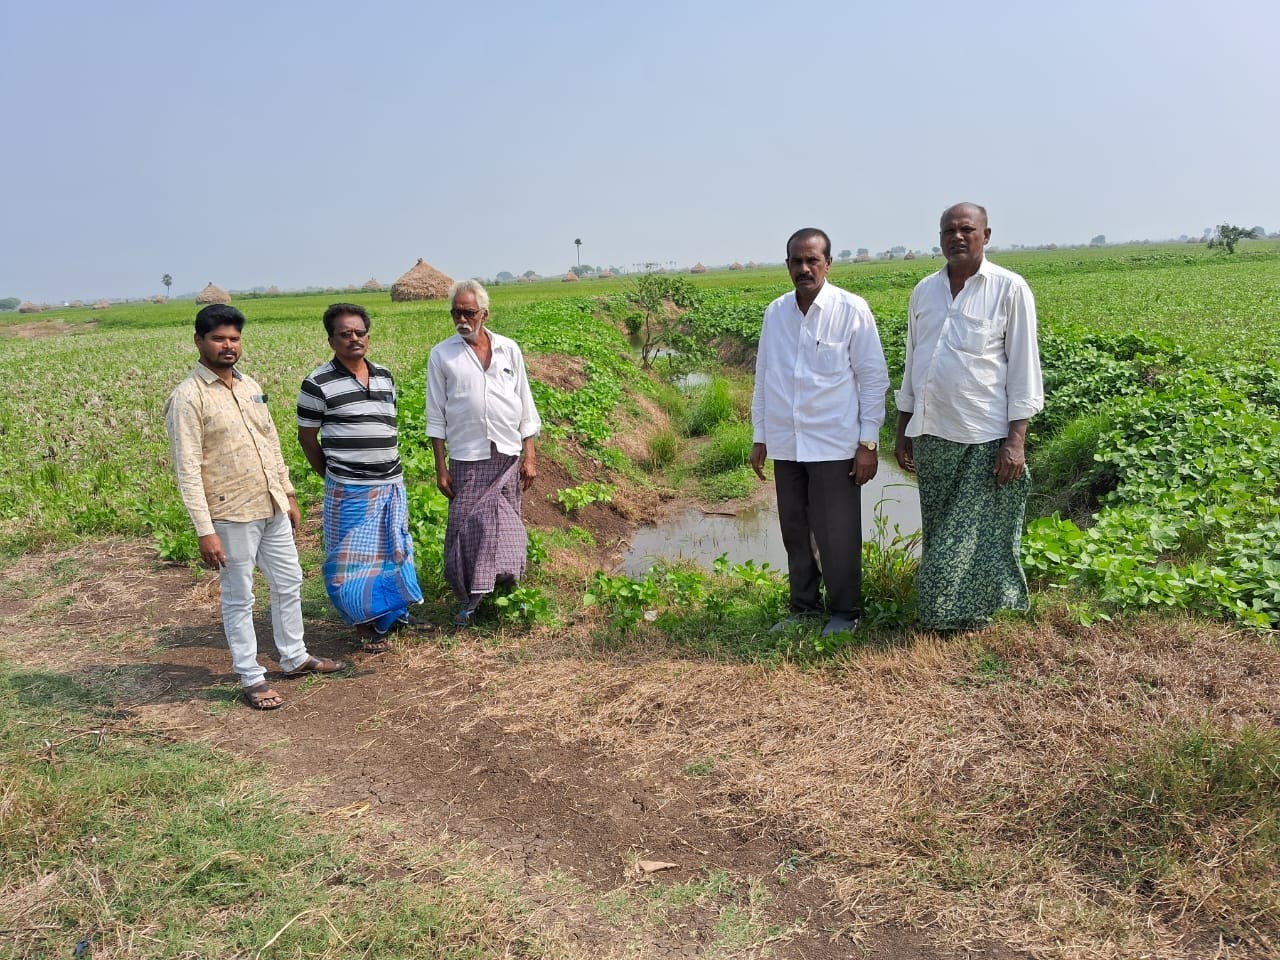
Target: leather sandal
pixel 261 697
pixel 316 665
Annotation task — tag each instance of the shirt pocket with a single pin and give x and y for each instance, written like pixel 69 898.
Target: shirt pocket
pixel 829 358
pixel 970 334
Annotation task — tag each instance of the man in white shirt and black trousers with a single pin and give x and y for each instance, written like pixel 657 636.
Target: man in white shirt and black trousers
pixel 816 412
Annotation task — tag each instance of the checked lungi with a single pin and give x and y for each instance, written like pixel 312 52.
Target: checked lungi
pixel 485 539
pixel 368 565
pixel 972 531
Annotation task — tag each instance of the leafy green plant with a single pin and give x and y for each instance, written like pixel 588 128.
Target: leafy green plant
pixel 526 605
pixel 574 499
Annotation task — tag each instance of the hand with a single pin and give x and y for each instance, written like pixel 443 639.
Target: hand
pixel 904 452
pixel 865 464
pixel 211 551
pixel 528 472
pixel 295 517
pixel 1011 461
pixel 444 481
pixel 758 454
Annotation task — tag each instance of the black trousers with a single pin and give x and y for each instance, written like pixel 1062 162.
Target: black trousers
pixel 820 504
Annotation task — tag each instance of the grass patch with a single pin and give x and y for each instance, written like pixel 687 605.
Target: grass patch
pixel 735 484
pixel 1191 821
pixel 151 849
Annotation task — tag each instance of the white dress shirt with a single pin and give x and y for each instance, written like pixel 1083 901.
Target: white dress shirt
pixel 820 378
pixel 973 363
pixel 468 406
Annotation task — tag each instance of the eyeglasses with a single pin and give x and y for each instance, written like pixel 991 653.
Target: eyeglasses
pixel 469 313
pixel 351 334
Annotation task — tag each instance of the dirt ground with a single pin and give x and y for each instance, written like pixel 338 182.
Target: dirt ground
pixel 425 740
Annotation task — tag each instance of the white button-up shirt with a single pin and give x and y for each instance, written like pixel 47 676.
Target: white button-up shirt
pixel 468 406
pixel 973 363
pixel 820 378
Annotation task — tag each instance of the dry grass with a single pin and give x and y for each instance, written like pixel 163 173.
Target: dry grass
pixel 933 778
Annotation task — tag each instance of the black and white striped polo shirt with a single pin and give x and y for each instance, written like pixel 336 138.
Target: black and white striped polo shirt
pixel 357 424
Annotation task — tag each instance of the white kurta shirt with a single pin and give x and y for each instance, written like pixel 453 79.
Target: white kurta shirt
pixel 820 378
pixel 468 406
pixel 973 362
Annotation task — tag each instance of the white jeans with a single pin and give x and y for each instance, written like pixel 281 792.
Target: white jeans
pixel 268 545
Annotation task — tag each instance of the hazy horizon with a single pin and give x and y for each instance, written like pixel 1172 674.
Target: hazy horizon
pixel 298 146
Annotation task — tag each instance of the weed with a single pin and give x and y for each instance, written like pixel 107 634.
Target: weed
pixel 663 449
pixel 574 499
pixel 712 406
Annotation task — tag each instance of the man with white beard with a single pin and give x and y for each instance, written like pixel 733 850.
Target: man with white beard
pixel 480 407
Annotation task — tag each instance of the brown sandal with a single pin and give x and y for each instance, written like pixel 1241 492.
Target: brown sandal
pixel 316 665
pixel 261 697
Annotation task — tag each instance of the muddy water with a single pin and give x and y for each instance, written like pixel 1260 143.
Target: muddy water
pixel 752 532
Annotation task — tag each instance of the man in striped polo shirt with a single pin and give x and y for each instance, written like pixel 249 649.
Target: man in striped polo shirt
pixel 347 429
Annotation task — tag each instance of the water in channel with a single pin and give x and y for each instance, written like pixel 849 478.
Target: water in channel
pixel 890 500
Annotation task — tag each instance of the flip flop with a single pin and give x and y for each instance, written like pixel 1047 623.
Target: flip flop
pixel 316 665
pixel 261 697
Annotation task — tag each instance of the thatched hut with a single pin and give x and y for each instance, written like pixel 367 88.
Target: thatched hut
pixel 76 303
pixel 911 255
pixel 735 265
pixel 29 307
pixel 159 298
pixel 698 268
pixel 569 277
pixel 422 281
pixel 213 294
pixel 273 291
pixel 372 285
pixel 102 305
pixel 605 275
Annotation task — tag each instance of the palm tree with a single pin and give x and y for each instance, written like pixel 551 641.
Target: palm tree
pixel 578 243
pixel 168 282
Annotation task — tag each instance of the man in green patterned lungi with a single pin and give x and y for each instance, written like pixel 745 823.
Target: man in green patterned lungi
pixel 970 384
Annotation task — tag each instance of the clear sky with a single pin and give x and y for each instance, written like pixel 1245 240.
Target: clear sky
pixel 324 143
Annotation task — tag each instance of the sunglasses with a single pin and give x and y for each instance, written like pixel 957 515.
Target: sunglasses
pixel 469 313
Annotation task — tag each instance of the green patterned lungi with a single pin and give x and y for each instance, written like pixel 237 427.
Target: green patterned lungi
pixel 972 528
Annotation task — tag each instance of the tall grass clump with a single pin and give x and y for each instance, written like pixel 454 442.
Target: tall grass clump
pixel 662 450
pixel 1065 472
pixel 728 449
pixel 713 405
pixel 890 560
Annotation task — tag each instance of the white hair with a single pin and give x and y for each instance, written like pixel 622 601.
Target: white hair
pixel 473 286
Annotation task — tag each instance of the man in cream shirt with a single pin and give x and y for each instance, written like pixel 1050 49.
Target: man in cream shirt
pixel 816 412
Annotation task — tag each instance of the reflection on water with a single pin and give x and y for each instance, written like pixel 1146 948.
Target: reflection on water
pixel 753 534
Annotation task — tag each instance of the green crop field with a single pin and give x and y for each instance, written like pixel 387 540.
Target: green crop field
pixel 1097 778
pixel 1157 449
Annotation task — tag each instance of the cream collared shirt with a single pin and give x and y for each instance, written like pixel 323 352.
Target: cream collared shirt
pixel 225 450
pixel 973 361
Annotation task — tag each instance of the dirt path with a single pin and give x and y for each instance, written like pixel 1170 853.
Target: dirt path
pixel 409 738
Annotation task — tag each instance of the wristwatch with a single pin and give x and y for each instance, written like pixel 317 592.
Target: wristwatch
pixel 869 444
